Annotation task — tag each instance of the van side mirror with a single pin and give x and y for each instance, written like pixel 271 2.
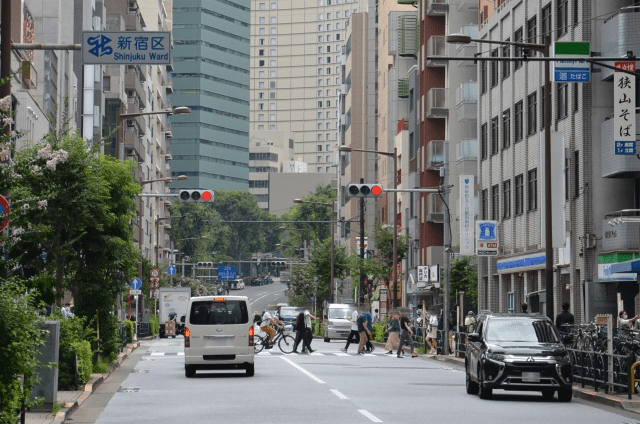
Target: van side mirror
pixel 473 337
pixel 182 319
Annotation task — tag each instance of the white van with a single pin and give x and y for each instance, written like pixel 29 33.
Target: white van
pixel 336 318
pixel 218 334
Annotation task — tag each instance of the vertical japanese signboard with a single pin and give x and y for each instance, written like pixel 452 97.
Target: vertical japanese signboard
pixel 467 215
pixel 624 109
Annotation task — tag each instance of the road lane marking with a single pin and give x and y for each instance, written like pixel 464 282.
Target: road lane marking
pixel 370 416
pixel 261 298
pixel 337 393
pixel 157 353
pixel 313 377
pixel 342 354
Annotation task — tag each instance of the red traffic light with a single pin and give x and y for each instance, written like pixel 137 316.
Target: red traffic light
pixel 196 195
pixel 376 190
pixel 206 196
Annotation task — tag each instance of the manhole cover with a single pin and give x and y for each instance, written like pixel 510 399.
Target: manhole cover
pixel 140 371
pixel 128 389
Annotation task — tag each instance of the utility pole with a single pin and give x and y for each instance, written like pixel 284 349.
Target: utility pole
pixel 361 297
pixel 5 50
pixel 447 252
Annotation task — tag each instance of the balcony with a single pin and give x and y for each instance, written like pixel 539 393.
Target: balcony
pixel 467 157
pixel 29 74
pixel 437 7
pixel 434 208
pixel 620 237
pixel 467 102
pixel 435 154
pixel 465 6
pixel 169 86
pixel 619 35
pixel 403 87
pixel 436 49
pixel 133 144
pixel 616 166
pixel 437 103
pixel 132 107
pixel 408 35
pixel 132 83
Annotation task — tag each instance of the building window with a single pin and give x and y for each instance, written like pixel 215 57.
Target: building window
pixel 273 30
pixel 261 63
pixel 327 158
pixel 272 95
pixel 272 117
pixel 273 20
pixel 272 106
pixel 319 158
pixel 494 68
pixel 562 17
pixel 261 74
pixel 506 129
pixel 495 145
pixel 319 104
pixel 533 189
pixel 261 52
pixel 261 95
pixel 542 108
pixel 262 20
pixel 506 199
pixel 485 204
pixel 562 100
pixel 327 147
pixel 261 31
pixel 274 5
pixel 261 117
pixel 272 127
pixel 319 147
pixel 273 42
pixel 272 63
pixel 519 194
pixel 319 169
pixel 506 65
pixel 483 141
pixel 260 127
pixel 517 38
pixel 545 23
pixel 519 119
pixel 532 114
pixel 260 106
pixel 272 84
pixel 263 6
pixel 328 71
pixel 272 74
pixel 495 202
pixel 272 52
pixel 567 172
pixel 532 31
pixel 576 175
pixel 483 76
pixel 261 41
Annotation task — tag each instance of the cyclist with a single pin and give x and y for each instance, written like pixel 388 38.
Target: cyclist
pixel 268 321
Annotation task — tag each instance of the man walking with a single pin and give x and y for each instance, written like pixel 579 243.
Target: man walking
pixel 354 335
pixel 564 319
pixel 364 331
pixel 369 318
pixel 524 308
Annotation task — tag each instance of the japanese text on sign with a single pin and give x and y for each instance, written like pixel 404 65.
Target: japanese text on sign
pixel 624 114
pixel 126 48
pixel 467 206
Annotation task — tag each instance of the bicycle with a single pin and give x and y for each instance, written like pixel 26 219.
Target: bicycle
pixel 284 341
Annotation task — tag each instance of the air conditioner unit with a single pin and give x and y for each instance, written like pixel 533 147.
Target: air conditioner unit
pixel 168 134
pixel 168 157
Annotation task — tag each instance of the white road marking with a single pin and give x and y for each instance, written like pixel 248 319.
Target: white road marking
pixel 317 354
pixel 180 353
pixel 268 294
pixel 337 393
pixel 342 354
pixel 313 377
pixel 264 354
pixel 370 416
pixel 157 353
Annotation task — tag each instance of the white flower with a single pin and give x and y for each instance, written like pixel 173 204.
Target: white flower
pixel 45 152
pixel 14 174
pixel 25 207
pixel 42 204
pixel 5 103
pixel 51 164
pixel 18 231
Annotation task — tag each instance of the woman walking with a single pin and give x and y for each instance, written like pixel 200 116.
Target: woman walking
pixel 301 333
pixel 394 335
pixel 405 336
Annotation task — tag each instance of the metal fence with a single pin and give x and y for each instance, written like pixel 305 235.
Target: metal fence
pixel 602 370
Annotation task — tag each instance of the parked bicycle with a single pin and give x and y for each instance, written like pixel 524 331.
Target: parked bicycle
pixel 284 341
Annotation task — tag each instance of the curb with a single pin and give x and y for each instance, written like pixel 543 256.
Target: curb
pixel 89 387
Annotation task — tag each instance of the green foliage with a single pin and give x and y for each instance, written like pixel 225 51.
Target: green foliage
pixel 129 330
pixel 20 336
pixel 73 332
pixel 317 328
pixel 56 408
pixel 154 323
pixel 82 349
pixel 102 367
pixel 464 277
pixel 383 239
pixel 313 208
pixel 378 332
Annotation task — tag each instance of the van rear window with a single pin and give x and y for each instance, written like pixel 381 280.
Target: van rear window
pixel 219 313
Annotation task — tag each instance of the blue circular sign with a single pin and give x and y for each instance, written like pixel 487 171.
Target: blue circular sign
pixel 136 283
pixel 171 270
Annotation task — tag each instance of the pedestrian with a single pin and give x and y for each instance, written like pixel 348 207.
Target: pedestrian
pixel 393 340
pixel 364 331
pixel 470 322
pixel 354 335
pixel 432 335
pixel 370 348
pixel 405 336
pixel 376 316
pixel 524 308
pixel 564 319
pixel 301 335
pixel 624 322
pixel 308 332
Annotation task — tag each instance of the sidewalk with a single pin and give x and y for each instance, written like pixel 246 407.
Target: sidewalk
pixel 615 400
pixel 71 400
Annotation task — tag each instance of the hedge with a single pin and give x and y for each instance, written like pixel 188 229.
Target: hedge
pixel 129 327
pixel 154 323
pixel 82 350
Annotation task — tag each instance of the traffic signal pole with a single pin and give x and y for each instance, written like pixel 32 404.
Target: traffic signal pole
pixel 361 296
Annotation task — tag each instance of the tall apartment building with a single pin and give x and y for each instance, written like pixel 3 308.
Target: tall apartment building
pixel 598 184
pixel 211 76
pixel 296 73
pixel 47 78
pixel 269 152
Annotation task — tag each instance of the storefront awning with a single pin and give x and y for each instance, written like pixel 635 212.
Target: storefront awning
pixel 628 266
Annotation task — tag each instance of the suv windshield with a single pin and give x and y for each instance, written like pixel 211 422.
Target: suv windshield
pixel 521 330
pixel 289 312
pixel 208 312
pixel 339 313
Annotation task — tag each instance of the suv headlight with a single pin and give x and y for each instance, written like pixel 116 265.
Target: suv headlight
pixel 496 356
pixel 562 359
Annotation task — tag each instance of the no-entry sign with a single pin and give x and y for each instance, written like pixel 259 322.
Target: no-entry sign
pixel 4 211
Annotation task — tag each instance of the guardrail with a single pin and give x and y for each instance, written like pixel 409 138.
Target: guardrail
pixel 602 370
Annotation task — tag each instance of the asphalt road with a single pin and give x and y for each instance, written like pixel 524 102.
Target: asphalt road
pixel 327 386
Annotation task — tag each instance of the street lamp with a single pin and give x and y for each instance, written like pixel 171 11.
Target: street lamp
pixel 545 50
pixel 332 206
pixel 308 231
pixel 393 155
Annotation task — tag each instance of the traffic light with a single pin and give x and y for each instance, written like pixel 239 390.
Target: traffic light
pixel 365 190
pixel 202 196
pixel 279 263
pixel 205 264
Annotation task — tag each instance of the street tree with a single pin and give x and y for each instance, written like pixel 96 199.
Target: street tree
pixel 464 277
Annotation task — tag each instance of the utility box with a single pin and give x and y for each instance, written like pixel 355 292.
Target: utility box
pixel 49 352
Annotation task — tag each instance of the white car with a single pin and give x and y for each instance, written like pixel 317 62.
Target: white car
pixel 218 334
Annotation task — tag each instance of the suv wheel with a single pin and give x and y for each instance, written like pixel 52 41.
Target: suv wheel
pixel 484 392
pixel 565 395
pixel 189 371
pixel 250 370
pixel 472 387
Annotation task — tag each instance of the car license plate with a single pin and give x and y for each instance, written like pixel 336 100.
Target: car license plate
pixel 530 377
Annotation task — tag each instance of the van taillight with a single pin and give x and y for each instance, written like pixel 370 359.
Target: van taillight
pixel 187 337
pixel 251 334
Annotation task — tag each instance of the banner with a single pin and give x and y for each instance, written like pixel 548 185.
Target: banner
pixel 467 215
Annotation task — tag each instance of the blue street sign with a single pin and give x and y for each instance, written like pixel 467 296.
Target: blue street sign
pixel 126 48
pixel 226 273
pixel 625 147
pixel 487 230
pixel 135 283
pixel 171 270
pixel 572 75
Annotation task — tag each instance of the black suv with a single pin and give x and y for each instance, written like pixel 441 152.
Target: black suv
pixel 520 352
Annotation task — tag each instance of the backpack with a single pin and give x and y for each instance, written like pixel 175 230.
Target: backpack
pixel 362 319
